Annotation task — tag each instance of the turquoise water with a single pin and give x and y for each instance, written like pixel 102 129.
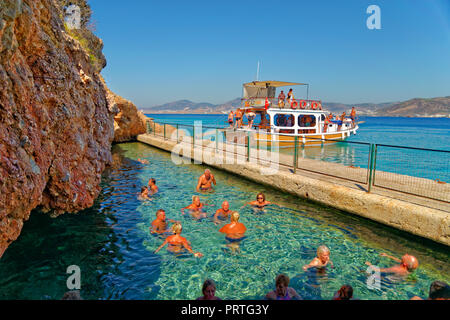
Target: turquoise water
pixel 429 133
pixel 111 243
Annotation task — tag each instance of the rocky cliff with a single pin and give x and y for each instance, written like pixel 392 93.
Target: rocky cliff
pixel 56 126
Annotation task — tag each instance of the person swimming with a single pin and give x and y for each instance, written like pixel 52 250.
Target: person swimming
pixel 152 186
pixel 144 194
pixel 223 213
pixel 344 293
pixel 260 202
pixel 159 225
pixel 209 290
pixel 196 208
pixel 205 181
pixel 322 259
pixel 143 161
pixel 177 243
pixel 282 290
pixel 234 230
pixel 407 265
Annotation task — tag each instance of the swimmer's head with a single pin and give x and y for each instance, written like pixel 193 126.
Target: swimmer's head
pixel 207 173
pixel 209 289
pixel 410 262
pixel 235 217
pixel 260 197
pixel 152 180
pixel 281 284
pixel 144 189
pixel 225 205
pixel 439 290
pixel 196 200
pixel 323 253
pixel 177 228
pixel 345 292
pixel 161 214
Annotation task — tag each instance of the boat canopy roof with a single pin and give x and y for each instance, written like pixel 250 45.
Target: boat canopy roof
pixel 265 89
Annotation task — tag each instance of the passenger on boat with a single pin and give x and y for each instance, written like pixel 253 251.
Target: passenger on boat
pixel 223 213
pixel 322 259
pixel 281 98
pixel 205 181
pixel 250 116
pixel 152 186
pixel 327 122
pixel 344 293
pixel 341 121
pixel 195 208
pixel 235 230
pixel 353 116
pixel 408 264
pixel 260 202
pixel 177 243
pixel 439 290
pixel 209 290
pixel 144 194
pixel 238 116
pixel 231 118
pixel 282 290
pixel 159 225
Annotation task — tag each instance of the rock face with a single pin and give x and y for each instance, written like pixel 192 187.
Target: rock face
pixel 56 128
pixel 128 122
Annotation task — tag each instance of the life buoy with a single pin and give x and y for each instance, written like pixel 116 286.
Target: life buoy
pixel 320 105
pixel 294 105
pixel 302 104
pixel 314 105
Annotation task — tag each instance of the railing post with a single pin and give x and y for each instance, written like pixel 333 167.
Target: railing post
pixel 154 128
pixel 248 146
pixel 193 135
pixel 177 133
pixel 295 153
pixel 164 131
pixel 148 126
pixel 217 139
pixel 371 162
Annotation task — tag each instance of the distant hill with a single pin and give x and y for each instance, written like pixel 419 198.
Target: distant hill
pixel 433 107
pixel 418 107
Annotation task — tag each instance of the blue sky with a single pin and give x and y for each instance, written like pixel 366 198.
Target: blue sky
pixel 162 51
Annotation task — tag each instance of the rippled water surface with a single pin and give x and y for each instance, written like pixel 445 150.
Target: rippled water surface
pixel 111 243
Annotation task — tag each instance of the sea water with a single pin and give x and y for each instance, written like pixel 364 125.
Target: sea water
pixel 111 243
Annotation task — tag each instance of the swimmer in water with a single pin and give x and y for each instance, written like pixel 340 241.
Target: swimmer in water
pixel 144 194
pixel 177 243
pixel 143 161
pixel 209 291
pixel 234 232
pixel 196 208
pixel 159 225
pixel 282 290
pixel 152 186
pixel 223 213
pixel 259 203
pixel 205 181
pixel 322 259
pixel 407 265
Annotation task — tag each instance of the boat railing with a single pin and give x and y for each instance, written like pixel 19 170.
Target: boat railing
pixel 304 104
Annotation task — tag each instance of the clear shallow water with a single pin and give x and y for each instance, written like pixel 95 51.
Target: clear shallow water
pixel 111 243
pixel 428 133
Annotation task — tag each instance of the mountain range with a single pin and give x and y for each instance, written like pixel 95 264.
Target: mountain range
pixel 417 107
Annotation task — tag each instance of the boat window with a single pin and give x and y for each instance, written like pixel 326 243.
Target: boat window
pixel 306 121
pixel 322 117
pixel 284 120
